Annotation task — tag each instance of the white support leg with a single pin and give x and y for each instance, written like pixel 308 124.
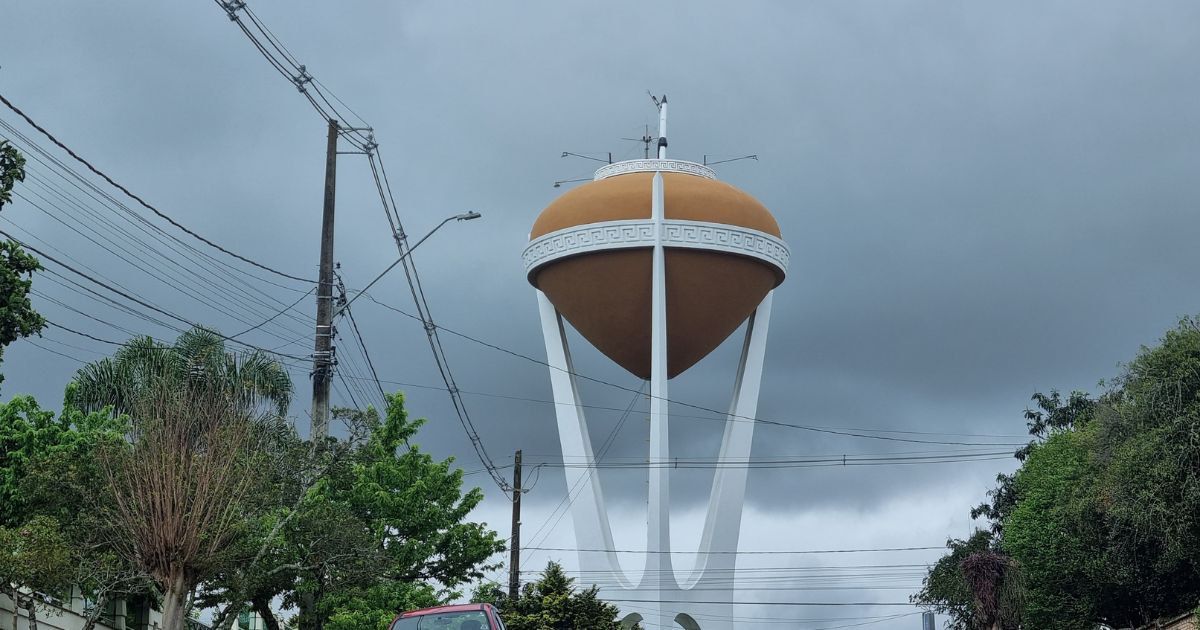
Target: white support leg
pixel 717 560
pixel 588 512
pixel 723 521
pixel 659 574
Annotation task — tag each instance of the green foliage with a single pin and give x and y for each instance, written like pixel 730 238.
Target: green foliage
pixel 1054 531
pixel 36 555
pixel 553 603
pixel 362 529
pixel 47 463
pixel 1103 517
pixel 17 317
pixel 198 358
pixel 375 606
pixel 48 475
pixel 413 506
pixel 12 170
pixel 945 589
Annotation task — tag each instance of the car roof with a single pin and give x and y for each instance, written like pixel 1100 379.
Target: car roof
pixel 443 609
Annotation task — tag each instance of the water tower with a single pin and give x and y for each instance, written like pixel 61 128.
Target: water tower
pixel 656 262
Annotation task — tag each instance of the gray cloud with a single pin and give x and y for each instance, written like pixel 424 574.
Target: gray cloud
pixel 981 201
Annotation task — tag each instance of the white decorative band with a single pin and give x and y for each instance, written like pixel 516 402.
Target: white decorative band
pixel 634 233
pixel 651 166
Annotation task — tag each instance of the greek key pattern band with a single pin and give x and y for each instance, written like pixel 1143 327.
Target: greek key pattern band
pixel 651 166
pixel 640 233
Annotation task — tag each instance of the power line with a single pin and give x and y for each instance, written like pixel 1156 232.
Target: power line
pixel 722 415
pixel 215 301
pixel 52 351
pixel 361 343
pixel 788 463
pixel 431 329
pixel 83 334
pixel 132 298
pixel 748 552
pixel 574 492
pixel 272 318
pixel 182 250
pixel 363 139
pixel 751 603
pixel 141 201
pixel 204 268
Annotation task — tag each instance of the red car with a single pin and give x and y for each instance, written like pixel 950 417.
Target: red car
pixel 456 617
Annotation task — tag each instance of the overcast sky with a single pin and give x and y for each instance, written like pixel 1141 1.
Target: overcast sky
pixel 981 202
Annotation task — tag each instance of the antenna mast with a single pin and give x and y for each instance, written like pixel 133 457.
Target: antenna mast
pixel 661 104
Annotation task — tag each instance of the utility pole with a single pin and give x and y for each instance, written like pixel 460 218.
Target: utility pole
pixel 514 558
pixel 323 345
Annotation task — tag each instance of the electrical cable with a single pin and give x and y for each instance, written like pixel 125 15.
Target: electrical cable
pixel 307 85
pixel 748 552
pixel 574 492
pixel 7 103
pixel 722 415
pixel 216 302
pixel 203 261
pixel 133 298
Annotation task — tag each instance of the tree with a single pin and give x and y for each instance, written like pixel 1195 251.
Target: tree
pixel 17 317
pixel 360 529
pixel 995 585
pixel 553 603
pixel 197 359
pixel 48 473
pixel 945 589
pixel 36 561
pixel 1056 532
pixel 178 490
pixel 1103 516
pixel 377 605
pixel 12 170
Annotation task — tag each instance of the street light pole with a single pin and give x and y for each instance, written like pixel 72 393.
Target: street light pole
pixel 466 216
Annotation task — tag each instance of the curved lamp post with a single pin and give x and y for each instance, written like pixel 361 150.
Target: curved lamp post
pixel 466 216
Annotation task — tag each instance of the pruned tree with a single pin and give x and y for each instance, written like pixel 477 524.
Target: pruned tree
pixel 179 489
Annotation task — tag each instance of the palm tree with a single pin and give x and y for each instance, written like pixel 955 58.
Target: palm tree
pixel 200 416
pixel 198 359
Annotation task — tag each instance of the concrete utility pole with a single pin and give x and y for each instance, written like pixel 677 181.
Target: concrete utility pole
pixel 514 558
pixel 323 345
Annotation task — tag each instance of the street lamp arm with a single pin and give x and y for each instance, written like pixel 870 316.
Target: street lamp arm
pixel 466 216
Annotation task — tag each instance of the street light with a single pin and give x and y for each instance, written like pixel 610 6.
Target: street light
pixel 466 216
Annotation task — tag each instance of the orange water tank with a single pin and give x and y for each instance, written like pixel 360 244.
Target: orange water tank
pixel 591 251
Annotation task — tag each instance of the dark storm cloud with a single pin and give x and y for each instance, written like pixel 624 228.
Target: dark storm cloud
pixel 981 201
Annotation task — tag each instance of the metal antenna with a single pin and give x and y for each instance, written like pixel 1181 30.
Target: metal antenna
pixel 744 157
pixel 588 157
pixel 661 104
pixel 645 139
pixel 559 183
